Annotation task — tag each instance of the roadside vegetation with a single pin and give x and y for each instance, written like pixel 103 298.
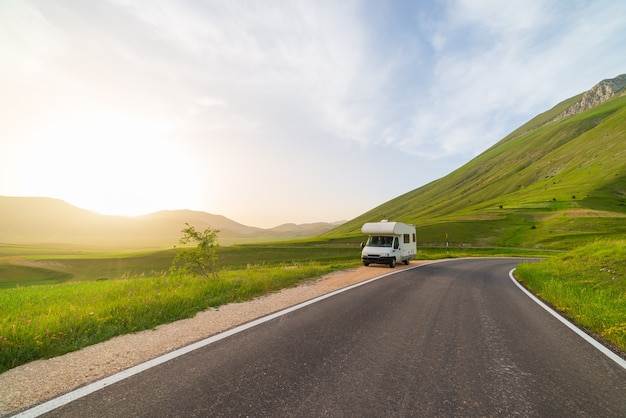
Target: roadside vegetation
pixel 45 321
pixel 587 285
pixel 55 301
pixel 200 260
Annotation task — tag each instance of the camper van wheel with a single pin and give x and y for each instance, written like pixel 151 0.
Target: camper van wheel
pixel 406 262
pixel 365 263
pixel 392 264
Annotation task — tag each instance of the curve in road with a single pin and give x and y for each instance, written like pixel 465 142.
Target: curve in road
pixel 454 338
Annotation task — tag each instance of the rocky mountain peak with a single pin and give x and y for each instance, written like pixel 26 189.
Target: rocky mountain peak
pixel 600 93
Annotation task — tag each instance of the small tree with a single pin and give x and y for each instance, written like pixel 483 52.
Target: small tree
pixel 201 259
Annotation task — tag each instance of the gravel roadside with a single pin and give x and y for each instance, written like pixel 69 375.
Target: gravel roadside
pixel 35 382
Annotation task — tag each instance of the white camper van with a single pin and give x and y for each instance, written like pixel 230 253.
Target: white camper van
pixel 388 243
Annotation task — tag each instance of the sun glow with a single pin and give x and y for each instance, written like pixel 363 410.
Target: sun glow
pixel 109 163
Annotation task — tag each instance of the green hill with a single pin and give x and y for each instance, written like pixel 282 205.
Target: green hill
pixel 557 181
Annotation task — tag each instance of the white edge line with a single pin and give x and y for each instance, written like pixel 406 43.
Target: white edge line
pixel 617 359
pixel 107 381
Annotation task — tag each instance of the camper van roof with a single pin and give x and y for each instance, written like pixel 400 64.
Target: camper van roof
pixel 390 228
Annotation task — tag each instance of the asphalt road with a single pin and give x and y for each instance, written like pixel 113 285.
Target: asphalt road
pixel 449 339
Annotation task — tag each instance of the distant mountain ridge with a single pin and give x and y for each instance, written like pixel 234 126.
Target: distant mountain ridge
pixel 557 181
pixel 40 220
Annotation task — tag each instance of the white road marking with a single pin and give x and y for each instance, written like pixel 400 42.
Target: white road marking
pixel 617 359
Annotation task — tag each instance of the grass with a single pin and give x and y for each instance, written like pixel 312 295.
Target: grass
pixel 45 321
pixel 587 284
pixel 11 275
pixel 54 301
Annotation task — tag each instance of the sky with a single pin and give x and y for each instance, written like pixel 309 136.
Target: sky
pixel 270 112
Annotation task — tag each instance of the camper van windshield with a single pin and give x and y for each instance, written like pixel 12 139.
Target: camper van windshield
pixel 379 241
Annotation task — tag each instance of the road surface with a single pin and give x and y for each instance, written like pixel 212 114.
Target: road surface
pixel 455 338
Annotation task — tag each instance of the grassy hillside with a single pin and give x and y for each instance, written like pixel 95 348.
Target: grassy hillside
pixel 549 184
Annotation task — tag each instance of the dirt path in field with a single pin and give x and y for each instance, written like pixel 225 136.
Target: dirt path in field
pixel 38 381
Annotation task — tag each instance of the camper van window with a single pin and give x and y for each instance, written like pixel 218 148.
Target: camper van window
pixel 379 241
pixel 407 238
pixel 396 243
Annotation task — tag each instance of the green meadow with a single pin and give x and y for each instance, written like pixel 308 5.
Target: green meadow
pixel 49 320
pixel 23 266
pixel 56 301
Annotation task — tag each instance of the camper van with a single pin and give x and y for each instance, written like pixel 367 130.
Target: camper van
pixel 388 243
